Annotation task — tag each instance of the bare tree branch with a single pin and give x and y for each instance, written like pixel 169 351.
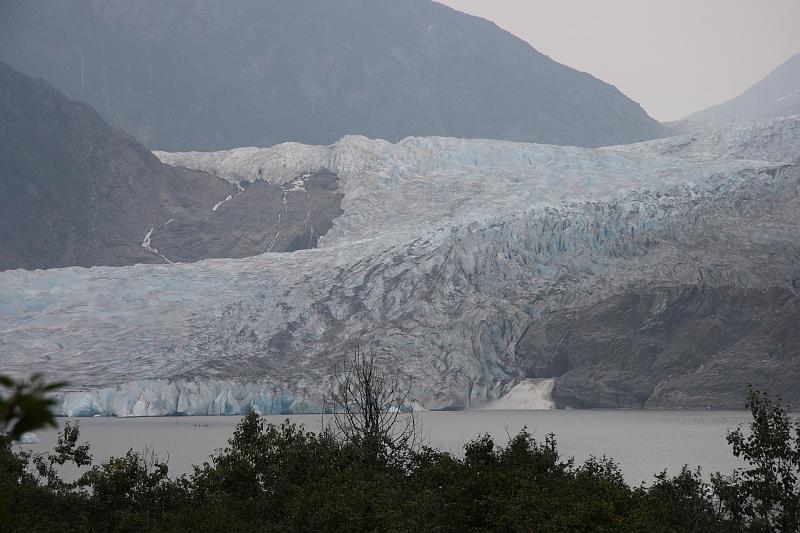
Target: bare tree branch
pixel 370 407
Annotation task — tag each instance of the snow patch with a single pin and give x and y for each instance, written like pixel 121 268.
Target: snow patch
pixel 216 206
pixel 146 243
pixel 782 98
pixel 298 185
pixel 272 244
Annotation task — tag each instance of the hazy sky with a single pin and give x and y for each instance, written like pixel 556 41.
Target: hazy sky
pixel 672 56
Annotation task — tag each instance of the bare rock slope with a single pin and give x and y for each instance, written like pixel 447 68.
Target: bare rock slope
pixel 77 192
pixel 669 346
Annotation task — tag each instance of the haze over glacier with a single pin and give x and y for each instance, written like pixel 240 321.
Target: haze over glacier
pixel 447 251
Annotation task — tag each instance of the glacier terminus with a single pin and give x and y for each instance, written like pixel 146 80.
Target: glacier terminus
pixel 447 252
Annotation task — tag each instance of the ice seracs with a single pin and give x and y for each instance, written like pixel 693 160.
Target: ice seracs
pixel 420 182
pixel 184 397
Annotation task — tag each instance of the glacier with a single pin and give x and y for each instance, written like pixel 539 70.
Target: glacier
pixel 424 181
pixel 446 251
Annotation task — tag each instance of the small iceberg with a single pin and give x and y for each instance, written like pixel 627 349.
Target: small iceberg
pixel 29 438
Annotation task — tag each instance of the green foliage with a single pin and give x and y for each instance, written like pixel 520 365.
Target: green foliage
pixel 13 474
pixel 767 492
pixel 683 503
pixel 282 478
pixel 13 464
pixel 25 406
pixel 133 490
pixel 67 450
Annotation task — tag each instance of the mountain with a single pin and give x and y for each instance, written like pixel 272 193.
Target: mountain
pixel 658 274
pixel 76 191
pixel 777 95
pixel 666 347
pixel 212 74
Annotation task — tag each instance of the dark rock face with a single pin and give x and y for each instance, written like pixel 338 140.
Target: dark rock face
pixel 669 348
pixel 261 218
pixel 213 74
pixel 76 191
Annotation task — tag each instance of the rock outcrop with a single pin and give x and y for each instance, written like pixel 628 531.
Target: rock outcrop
pixel 666 347
pixel 260 218
pixel 77 192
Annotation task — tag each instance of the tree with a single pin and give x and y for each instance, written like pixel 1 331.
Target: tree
pixel 67 450
pixel 369 405
pixel 131 490
pixel 27 406
pixel 767 492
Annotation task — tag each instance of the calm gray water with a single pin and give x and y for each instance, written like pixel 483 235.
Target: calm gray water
pixel 642 442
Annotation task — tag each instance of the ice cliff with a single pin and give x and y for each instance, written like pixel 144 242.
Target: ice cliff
pixel 447 250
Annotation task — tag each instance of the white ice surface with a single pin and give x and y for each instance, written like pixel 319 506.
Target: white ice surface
pixel 446 251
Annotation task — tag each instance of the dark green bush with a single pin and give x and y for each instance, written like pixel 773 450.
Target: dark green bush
pixel 282 478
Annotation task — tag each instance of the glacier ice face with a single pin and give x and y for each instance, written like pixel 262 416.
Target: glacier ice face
pixel 447 250
pixel 163 397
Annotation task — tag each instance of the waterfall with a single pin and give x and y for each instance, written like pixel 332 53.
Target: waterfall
pixel 532 393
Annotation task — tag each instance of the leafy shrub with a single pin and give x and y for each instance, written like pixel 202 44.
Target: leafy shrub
pixel 282 478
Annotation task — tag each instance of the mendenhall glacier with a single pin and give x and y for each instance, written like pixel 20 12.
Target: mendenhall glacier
pixel 446 253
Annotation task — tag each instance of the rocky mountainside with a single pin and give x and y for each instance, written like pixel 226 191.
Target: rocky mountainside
pixel 669 346
pixel 260 218
pixel 448 256
pixel 214 74
pixel 76 191
pixel 777 95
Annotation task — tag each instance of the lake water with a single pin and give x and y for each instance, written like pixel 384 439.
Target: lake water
pixel 642 442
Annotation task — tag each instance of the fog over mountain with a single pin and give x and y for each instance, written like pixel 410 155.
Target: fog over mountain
pixel 776 95
pixel 213 74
